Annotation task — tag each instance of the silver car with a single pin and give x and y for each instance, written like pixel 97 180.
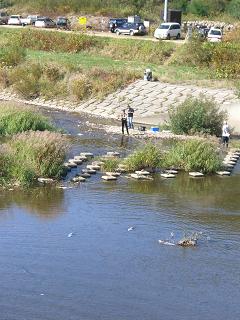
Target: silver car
pixel 45 22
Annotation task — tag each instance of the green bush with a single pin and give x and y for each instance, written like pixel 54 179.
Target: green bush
pixel 193 155
pixel 147 157
pixel 80 87
pixel 197 115
pixel 14 120
pixel 234 8
pixel 35 154
pixel 12 55
pixel 110 165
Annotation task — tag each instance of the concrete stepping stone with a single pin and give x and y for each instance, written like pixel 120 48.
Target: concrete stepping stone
pixel 113 154
pixel 196 174
pixel 229 162
pixel 97 163
pixel 140 176
pixel 223 173
pixel 168 175
pixel 109 178
pixel 78 179
pixel 93 167
pixel 87 154
pixel 143 172
pixel 91 171
pixel 115 174
pixel 86 175
pixel 72 164
pixel 45 180
pixel 78 162
pixel 171 171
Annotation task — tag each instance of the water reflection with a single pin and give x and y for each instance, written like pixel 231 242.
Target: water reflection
pixel 46 202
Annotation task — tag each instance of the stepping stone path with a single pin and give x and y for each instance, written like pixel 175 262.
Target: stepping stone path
pixel 142 172
pixel 115 174
pixel 171 171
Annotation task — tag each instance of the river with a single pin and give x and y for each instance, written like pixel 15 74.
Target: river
pixel 102 271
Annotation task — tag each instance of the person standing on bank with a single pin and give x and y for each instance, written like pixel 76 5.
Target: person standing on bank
pixel 130 112
pixel 124 121
pixel 225 134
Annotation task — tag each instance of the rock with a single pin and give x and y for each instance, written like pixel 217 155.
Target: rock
pixel 229 162
pixel 109 178
pixel 97 163
pixel 168 175
pixel 223 173
pixel 196 174
pixel 143 172
pixel 140 176
pixel 187 242
pixel 72 165
pixel 45 180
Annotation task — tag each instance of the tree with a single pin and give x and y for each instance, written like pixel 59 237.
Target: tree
pixel 234 8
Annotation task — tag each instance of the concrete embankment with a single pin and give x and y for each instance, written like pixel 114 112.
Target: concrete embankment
pixel 150 100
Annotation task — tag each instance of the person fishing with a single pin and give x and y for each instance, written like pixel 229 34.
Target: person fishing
pixel 124 121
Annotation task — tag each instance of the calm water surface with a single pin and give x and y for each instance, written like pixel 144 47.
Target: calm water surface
pixel 105 272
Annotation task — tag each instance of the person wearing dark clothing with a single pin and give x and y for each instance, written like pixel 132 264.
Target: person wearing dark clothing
pixel 130 112
pixel 124 121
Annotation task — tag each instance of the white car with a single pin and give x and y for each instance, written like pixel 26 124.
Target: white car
pixel 30 20
pixel 168 30
pixel 15 20
pixel 215 35
pixel 45 22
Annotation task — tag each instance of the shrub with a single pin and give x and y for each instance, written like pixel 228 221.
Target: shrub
pixel 193 155
pixel 110 165
pixel 14 120
pixel 234 8
pixel 12 55
pixel 35 154
pixel 147 157
pixel 80 87
pixel 197 115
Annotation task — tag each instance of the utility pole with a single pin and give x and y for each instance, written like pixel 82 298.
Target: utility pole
pixel 165 11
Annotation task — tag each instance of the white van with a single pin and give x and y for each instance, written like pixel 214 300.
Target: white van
pixel 168 30
pixel 215 35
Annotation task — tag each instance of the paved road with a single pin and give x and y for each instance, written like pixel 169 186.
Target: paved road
pixel 101 34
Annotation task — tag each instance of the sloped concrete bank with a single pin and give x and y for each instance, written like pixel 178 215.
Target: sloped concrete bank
pixel 150 100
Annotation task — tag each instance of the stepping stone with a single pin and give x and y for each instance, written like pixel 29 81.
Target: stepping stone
pixel 142 172
pixel 97 163
pixel 168 175
pixel 229 166
pixel 115 174
pixel 87 154
pixel 66 165
pixel 83 158
pixel 93 167
pixel 78 162
pixel 223 173
pixel 196 174
pixel 78 179
pixel 140 176
pixel 72 165
pixel 45 180
pixel 113 154
pixel 85 175
pixel 109 178
pixel 171 171
pixel 90 171
pixel 229 162
pixel 230 159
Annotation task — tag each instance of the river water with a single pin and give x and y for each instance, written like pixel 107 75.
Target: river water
pixel 103 271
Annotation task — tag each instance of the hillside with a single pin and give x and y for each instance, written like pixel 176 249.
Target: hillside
pixel 151 9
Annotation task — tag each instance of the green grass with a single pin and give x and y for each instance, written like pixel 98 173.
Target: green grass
pixel 15 120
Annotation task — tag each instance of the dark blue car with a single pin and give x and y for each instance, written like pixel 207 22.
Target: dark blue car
pixel 131 29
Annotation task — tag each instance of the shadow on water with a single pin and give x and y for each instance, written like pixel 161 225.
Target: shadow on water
pixel 46 202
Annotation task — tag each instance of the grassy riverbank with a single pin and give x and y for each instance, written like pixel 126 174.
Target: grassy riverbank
pixel 52 64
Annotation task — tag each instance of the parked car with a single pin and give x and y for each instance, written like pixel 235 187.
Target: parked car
pixel 30 20
pixel 45 22
pixel 15 20
pixel 63 23
pixel 114 23
pixel 168 30
pixel 215 35
pixel 131 29
pixel 3 17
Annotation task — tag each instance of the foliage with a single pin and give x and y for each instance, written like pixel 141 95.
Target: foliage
pixel 34 154
pixel 14 120
pixel 193 155
pixel 234 8
pixel 110 165
pixel 197 115
pixel 12 55
pixel 148 156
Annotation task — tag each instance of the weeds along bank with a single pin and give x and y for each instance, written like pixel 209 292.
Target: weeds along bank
pixel 33 147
